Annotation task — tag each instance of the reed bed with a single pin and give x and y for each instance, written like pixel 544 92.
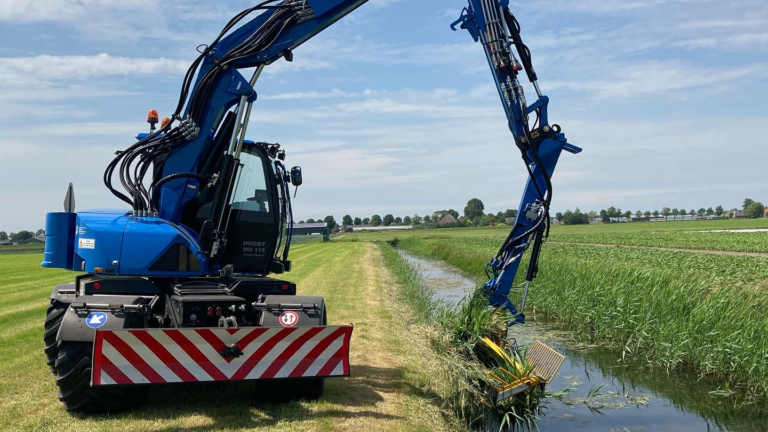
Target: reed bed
pixel 670 309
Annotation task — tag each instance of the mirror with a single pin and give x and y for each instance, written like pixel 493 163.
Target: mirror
pixel 296 178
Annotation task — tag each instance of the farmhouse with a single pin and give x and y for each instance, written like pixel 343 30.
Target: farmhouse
pixel 37 239
pixel 736 213
pixel 448 218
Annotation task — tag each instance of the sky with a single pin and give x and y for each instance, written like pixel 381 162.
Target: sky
pixel 389 111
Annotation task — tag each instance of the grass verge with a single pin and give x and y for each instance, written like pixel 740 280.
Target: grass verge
pixel 460 369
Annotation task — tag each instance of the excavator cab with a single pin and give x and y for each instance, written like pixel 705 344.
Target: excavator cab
pixel 255 218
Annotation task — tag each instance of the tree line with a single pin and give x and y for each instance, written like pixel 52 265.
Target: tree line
pixel 473 215
pixel 750 208
pixel 20 236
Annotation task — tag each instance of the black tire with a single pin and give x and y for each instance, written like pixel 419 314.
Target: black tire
pixel 73 376
pixel 53 318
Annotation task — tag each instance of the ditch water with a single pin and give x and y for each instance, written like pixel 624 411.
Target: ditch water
pixel 604 393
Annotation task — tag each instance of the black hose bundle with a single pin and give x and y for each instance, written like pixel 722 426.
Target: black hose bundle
pixel 133 163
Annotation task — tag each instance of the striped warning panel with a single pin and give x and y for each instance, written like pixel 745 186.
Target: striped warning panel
pixel 155 356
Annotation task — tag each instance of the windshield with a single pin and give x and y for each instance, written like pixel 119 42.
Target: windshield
pixel 251 193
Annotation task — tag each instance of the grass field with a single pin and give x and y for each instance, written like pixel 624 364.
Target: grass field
pixel 674 309
pixel 387 391
pixel 680 234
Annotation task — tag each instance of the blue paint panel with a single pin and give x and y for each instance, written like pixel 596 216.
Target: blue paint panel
pixel 321 7
pixel 147 239
pixel 59 240
pixel 99 238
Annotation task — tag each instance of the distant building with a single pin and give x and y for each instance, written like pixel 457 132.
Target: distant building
pixel 308 228
pixel 640 219
pixel 448 218
pixel 765 212
pixel 37 239
pixel 736 213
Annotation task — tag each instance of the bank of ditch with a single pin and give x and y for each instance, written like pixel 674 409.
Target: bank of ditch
pixel 457 363
pixel 667 310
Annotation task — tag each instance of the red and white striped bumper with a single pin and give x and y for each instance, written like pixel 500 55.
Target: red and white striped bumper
pixel 158 356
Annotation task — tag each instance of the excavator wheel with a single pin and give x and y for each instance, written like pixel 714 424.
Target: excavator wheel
pixel 53 319
pixel 73 376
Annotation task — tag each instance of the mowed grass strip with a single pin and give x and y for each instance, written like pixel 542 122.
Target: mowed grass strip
pixel 380 395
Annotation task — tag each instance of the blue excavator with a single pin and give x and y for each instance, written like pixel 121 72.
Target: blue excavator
pixel 184 286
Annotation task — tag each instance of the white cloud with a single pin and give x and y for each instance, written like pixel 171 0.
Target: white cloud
pixel 656 77
pixel 63 68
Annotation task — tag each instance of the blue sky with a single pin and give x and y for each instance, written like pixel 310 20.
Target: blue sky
pixel 389 111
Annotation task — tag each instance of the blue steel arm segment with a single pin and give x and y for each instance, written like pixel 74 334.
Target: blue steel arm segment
pixel 292 23
pixel 491 23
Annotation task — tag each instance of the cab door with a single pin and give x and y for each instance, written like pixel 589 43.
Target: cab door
pixel 252 229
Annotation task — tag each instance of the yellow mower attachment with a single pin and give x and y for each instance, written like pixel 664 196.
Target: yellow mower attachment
pixel 545 361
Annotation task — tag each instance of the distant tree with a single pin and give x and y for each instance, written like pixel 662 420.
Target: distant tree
pixel 592 215
pixel 710 212
pixel 755 210
pixel 666 211
pixel 612 212
pixel 701 212
pixel 366 221
pixel 438 215
pixel 575 217
pixel 656 213
pixel 510 213
pixel 398 220
pixel 416 219
pixel 486 220
pixel 719 211
pixel 427 219
pixel 639 213
pixel 647 213
pixel 407 220
pixel 692 212
pixel 3 235
pixel 474 209
pixel 310 220
pixel 559 216
pixel 388 219
pixel 376 220
pixel 454 213
pixel 346 220
pixel 21 235
pixel 675 212
pixel 747 202
pixel 330 222
pixel 627 214
pixel 301 222
pixel 357 221
pixel 604 216
pixel 40 232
